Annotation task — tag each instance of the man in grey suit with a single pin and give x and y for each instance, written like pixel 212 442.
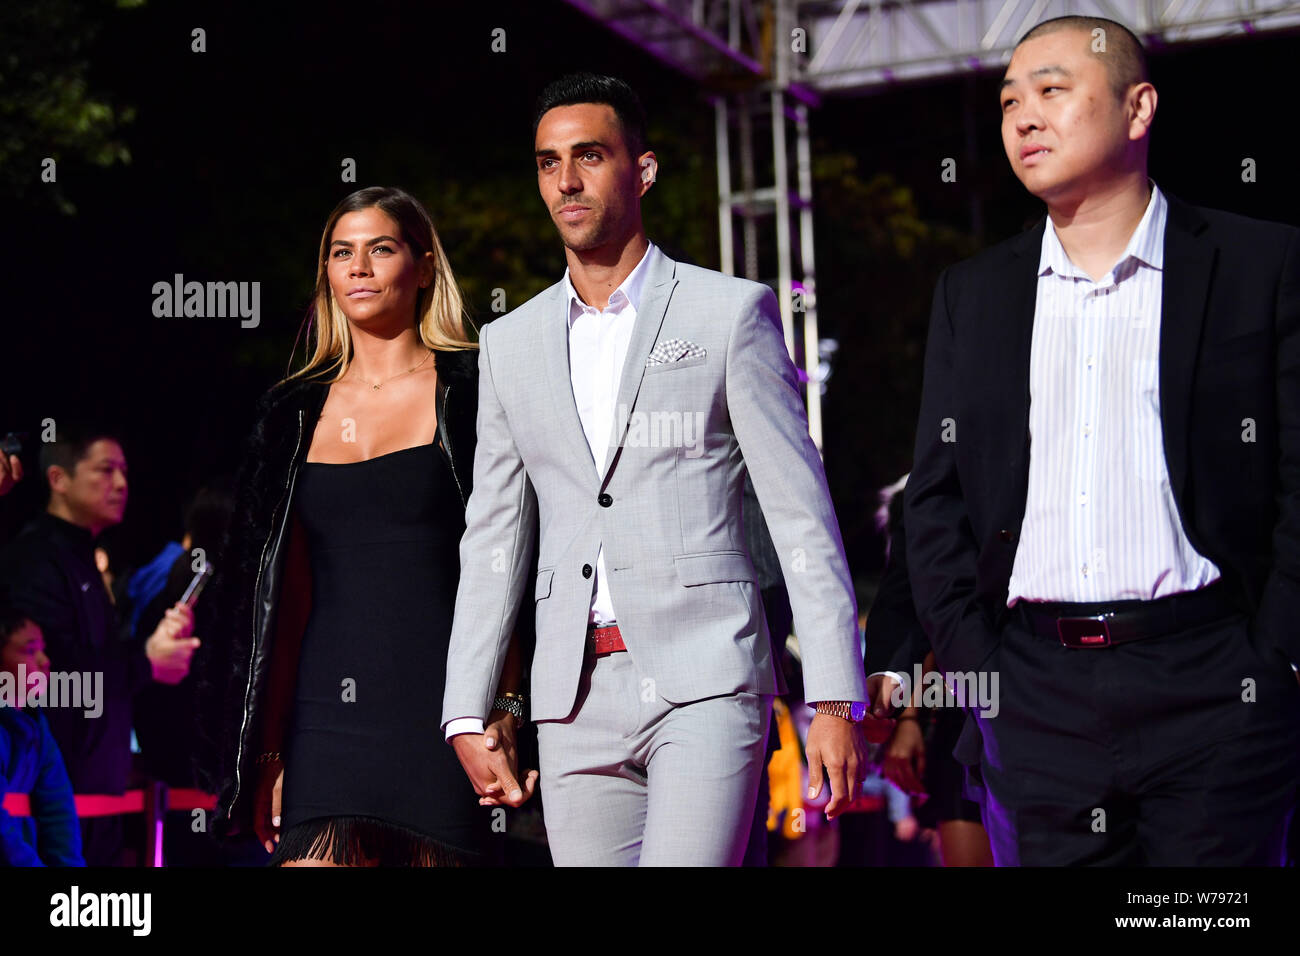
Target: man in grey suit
pixel 618 412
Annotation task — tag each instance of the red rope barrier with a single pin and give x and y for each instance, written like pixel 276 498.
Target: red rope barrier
pixel 108 804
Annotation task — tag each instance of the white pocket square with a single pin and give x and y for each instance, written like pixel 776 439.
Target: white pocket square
pixel 673 350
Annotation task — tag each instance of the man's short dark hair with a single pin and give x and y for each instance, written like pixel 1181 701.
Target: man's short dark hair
pixel 608 90
pixel 72 441
pixel 209 513
pixel 12 620
pixel 1124 58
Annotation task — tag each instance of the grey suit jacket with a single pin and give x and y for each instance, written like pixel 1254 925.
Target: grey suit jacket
pixel 666 504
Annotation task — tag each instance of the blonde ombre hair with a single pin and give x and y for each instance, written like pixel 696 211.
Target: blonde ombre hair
pixel 439 309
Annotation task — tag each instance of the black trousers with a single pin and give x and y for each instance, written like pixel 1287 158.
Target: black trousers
pixel 1177 750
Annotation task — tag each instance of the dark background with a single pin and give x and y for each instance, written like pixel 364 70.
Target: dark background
pixel 223 165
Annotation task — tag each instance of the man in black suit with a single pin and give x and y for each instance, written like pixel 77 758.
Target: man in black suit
pixel 1104 507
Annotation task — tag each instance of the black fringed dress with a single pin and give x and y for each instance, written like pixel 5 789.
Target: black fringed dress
pixel 368 774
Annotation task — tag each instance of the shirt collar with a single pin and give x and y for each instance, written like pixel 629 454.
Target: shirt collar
pixel 1146 244
pixel 65 529
pixel 629 289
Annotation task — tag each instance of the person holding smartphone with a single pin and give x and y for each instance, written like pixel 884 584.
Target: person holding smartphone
pixel 49 573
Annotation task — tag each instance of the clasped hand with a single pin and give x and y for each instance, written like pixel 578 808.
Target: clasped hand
pixel 491 762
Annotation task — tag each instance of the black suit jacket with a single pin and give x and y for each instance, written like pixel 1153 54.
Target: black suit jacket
pixel 1229 356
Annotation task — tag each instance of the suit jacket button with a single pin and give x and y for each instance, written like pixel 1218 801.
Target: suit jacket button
pixel 1004 534
pixel 604 500
pixel 586 570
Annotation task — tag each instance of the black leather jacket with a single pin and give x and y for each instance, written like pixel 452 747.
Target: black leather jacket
pixel 246 587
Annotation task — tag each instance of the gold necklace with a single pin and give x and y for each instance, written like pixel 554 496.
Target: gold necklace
pixel 376 385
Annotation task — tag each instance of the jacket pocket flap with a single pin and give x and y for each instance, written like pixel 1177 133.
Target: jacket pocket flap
pixel 543 589
pixel 711 567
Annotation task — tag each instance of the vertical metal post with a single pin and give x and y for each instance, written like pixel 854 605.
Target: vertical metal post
pixel 155 813
pixel 784 272
pixel 722 138
pixel 807 264
pixel 749 227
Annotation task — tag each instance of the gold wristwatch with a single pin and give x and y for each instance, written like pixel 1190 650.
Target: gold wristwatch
pixel 854 711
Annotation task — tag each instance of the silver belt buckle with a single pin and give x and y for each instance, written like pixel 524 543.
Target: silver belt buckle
pixel 1090 631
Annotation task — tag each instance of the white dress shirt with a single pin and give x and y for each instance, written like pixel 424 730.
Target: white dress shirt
pixel 1100 519
pixel 598 342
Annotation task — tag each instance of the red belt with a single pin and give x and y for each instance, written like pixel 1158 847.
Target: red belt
pixel 606 640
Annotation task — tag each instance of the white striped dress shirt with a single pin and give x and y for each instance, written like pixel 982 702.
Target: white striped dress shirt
pixel 1100 519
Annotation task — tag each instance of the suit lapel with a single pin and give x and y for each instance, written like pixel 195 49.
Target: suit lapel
pixel 1185 285
pixel 659 284
pixel 555 357
pixel 1012 333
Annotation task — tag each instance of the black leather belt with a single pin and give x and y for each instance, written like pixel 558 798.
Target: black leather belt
pixel 1118 622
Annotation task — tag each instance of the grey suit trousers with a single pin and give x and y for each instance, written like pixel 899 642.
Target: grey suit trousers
pixel 629 779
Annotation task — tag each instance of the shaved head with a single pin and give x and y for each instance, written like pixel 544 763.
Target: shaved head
pixel 1115 46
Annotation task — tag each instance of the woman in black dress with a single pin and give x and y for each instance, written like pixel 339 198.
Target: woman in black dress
pixel 353 766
